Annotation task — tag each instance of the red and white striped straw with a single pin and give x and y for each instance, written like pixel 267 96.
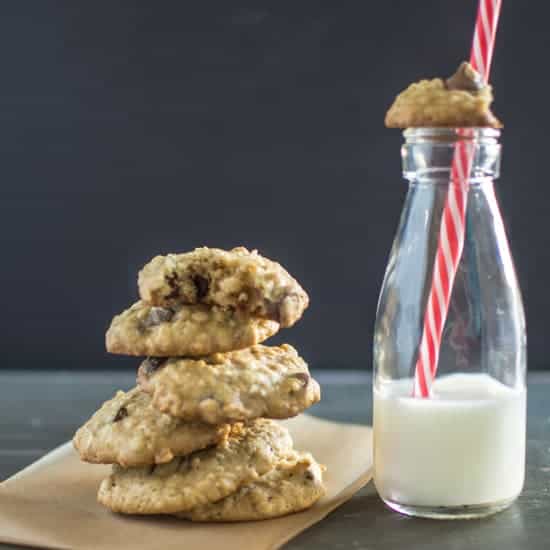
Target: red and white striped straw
pixel 452 230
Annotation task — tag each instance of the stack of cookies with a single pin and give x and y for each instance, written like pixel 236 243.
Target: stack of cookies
pixel 196 438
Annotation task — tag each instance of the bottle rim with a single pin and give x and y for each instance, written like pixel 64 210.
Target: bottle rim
pixel 429 153
pixel 450 135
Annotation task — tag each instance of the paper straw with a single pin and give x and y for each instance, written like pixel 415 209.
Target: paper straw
pixel 452 231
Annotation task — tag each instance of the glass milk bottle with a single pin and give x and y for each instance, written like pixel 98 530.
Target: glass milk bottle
pixel 460 452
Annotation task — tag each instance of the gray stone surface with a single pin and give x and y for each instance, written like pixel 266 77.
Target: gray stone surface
pixel 41 410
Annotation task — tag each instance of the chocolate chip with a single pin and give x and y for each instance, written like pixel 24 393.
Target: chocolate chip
pixel 172 280
pixel 156 316
pixel 303 377
pixel 466 79
pixel 270 310
pixel 202 285
pixel 309 476
pixel 122 413
pixel 151 364
pixel 173 283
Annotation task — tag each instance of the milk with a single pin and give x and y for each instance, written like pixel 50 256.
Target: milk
pixel 463 446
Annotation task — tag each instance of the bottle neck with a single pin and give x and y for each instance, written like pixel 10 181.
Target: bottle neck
pixel 428 154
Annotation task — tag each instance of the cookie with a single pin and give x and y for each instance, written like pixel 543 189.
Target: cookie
pixel 128 430
pixel 191 330
pixel 196 480
pixel 260 381
pixel 462 100
pixel 294 485
pixel 238 278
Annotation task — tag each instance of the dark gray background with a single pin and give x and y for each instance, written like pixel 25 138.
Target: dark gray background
pixel 134 128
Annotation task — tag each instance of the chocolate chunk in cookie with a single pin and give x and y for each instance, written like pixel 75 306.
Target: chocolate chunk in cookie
pixel 466 79
pixel 121 413
pixel 156 316
pixel 151 364
pixel 303 377
pixel 202 285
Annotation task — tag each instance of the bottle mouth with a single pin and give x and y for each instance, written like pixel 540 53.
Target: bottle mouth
pixel 450 135
pixel 429 153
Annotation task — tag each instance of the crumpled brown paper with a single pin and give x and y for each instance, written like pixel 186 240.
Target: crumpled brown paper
pixel 52 503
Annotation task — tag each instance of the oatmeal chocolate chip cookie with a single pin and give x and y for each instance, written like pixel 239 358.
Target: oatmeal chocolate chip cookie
pixel 259 381
pixel 237 278
pixel 128 430
pixel 196 480
pixel 191 330
pixel 294 485
pixel 463 100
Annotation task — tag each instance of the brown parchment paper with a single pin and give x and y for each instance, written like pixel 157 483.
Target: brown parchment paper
pixel 52 503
